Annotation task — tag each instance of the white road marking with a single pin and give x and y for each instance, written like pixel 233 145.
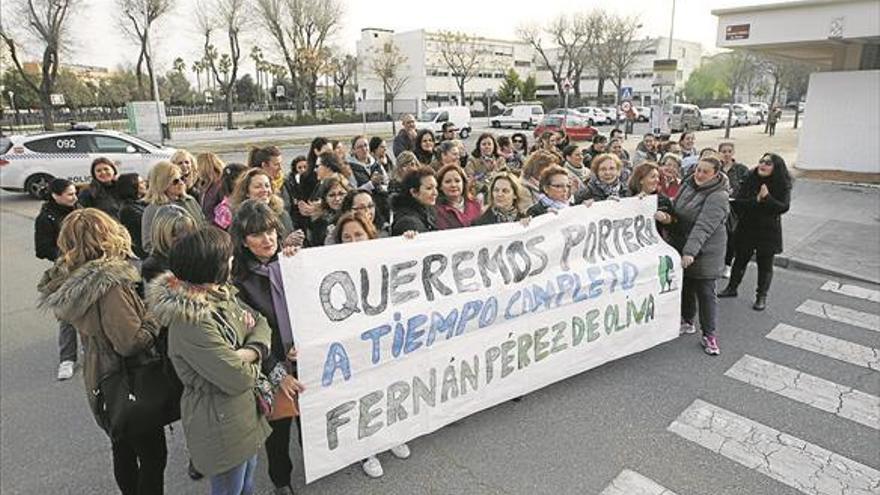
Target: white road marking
pixel 822 394
pixel 632 483
pixel 852 291
pixel 842 350
pixel 841 314
pixel 787 459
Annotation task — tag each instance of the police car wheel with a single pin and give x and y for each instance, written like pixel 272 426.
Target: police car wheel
pixel 37 186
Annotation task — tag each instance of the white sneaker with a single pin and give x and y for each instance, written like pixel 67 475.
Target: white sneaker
pixel 687 328
pixel 372 467
pixel 726 273
pixel 65 370
pixel 401 451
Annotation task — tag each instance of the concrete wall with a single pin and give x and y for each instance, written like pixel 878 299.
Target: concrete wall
pixel 841 122
pixel 799 22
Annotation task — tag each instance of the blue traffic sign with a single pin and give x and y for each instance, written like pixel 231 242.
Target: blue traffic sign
pixel 626 93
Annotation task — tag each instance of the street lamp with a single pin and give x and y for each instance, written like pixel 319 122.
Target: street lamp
pixel 14 109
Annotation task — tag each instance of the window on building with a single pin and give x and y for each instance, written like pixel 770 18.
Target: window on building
pixel 522 63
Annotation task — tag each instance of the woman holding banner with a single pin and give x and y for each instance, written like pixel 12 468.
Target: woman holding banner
pixel 505 202
pixel 355 227
pixel 256 275
pixel 556 191
pixel 700 210
pixel 455 208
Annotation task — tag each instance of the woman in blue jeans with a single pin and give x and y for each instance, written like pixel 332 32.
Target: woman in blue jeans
pixel 698 233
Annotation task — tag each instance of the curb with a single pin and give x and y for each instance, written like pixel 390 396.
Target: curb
pixel 783 261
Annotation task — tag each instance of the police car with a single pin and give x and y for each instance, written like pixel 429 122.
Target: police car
pixel 29 162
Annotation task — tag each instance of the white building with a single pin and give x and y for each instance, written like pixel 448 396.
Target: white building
pixel 641 75
pixel 843 101
pixel 428 80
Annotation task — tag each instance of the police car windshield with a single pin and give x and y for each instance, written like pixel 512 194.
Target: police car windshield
pixel 5 144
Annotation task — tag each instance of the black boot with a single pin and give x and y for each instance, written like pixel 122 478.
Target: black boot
pixel 729 291
pixel 760 302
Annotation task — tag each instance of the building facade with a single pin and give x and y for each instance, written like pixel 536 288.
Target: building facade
pixel 428 82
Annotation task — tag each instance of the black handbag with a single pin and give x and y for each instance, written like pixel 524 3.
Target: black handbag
pixel 143 395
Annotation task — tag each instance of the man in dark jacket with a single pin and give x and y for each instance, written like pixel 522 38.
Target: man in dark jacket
pixel 405 139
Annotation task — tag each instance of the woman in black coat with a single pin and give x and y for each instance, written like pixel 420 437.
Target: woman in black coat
pixel 101 193
pixel 413 207
pixel 763 197
pixel 255 230
pixel 130 191
pixel 62 201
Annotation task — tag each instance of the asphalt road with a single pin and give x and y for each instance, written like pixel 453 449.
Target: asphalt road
pixel 573 437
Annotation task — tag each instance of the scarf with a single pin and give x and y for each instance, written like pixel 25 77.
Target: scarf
pixel 551 203
pixel 278 183
pixel 607 190
pixel 505 216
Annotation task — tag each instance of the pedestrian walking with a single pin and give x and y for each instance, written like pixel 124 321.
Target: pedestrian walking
pixel 760 203
pixel 698 233
pixel 772 119
pixel 216 343
pixel 93 287
pixel 61 202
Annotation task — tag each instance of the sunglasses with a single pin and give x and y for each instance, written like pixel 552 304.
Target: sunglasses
pixel 177 181
pixel 764 161
pixel 518 141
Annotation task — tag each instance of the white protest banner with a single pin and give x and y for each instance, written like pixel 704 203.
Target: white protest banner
pixel 397 338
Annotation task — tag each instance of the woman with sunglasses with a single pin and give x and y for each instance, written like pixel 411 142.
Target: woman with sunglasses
pixel 167 185
pixel 187 163
pixel 760 203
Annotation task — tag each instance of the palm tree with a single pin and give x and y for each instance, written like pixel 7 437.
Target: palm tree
pixel 197 67
pixel 179 65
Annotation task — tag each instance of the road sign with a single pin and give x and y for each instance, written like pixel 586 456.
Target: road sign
pixel 56 99
pixel 626 106
pixel 279 91
pixel 567 85
pixel 626 93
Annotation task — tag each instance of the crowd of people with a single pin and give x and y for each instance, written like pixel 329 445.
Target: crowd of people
pixel 189 256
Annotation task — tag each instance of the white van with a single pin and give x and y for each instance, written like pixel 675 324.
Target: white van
pixel 434 118
pixel 522 116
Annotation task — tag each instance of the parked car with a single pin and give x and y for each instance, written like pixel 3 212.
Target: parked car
pixel 644 114
pixel 762 108
pixel 522 116
pixel 28 162
pixel 594 115
pixel 575 127
pixel 434 119
pixel 714 118
pixel 613 114
pixel 685 118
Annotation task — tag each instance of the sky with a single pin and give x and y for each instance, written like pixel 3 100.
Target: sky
pixel 97 40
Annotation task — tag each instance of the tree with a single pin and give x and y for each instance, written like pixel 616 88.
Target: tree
pixel 577 37
pixel 342 71
pixel 43 24
pixel 198 68
pixel 706 84
pixel 529 88
pixel 464 56
pixel 620 49
pixel 247 90
pixel 510 88
pixel 175 88
pixel 531 34
pixel 384 64
pixel 179 65
pixel 738 68
pixel 229 17
pixel 137 19
pixel 300 28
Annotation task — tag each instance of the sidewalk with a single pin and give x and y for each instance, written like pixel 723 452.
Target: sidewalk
pixel 831 227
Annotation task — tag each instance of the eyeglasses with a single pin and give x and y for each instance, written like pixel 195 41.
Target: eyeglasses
pixel 365 207
pixel 518 141
pixel 560 186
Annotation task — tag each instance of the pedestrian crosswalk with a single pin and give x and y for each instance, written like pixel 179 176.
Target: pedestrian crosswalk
pixel 807 467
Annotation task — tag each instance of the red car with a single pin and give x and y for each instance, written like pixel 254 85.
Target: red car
pixel 575 128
